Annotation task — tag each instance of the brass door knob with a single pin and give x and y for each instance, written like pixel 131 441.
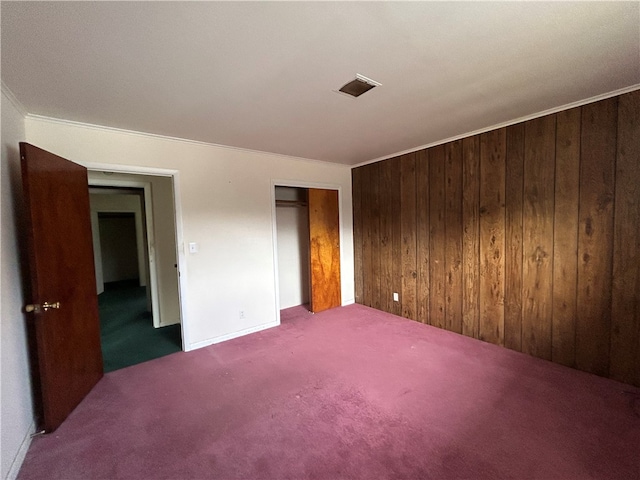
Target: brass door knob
pixel 36 308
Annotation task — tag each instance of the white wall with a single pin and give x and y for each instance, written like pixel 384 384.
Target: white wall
pixel 16 399
pixel 227 208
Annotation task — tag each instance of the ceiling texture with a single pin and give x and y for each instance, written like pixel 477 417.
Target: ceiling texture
pixel 263 75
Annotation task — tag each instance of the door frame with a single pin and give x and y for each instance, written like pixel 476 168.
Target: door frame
pixel 180 254
pixel 274 229
pixel 151 242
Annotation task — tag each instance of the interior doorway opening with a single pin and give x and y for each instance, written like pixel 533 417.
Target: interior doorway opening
pixel 119 249
pixel 134 236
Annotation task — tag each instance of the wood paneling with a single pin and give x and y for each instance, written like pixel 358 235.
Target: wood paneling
pixel 396 232
pixel 526 236
pixel 386 236
pixel 374 206
pixel 422 230
pixel 625 318
pixel 565 250
pixel 595 237
pixel 357 189
pixel 471 236
pixel 514 185
pixel 492 245
pixel 408 234
pixel 437 237
pixel 537 236
pixel 453 236
pixel 368 232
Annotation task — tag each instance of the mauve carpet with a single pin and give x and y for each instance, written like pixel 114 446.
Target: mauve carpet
pixel 347 393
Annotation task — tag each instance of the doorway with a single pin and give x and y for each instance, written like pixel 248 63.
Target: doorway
pixel 134 234
pixel 307 238
pixel 292 226
pixel 63 316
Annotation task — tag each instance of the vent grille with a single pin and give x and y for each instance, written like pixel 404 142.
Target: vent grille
pixel 358 86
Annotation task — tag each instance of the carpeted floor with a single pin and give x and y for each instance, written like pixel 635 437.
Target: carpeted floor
pixel 128 336
pixel 348 393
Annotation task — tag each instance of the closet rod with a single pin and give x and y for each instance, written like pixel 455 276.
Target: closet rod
pixel 290 203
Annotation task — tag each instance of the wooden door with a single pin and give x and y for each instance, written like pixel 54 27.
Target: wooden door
pixel 63 315
pixel 324 251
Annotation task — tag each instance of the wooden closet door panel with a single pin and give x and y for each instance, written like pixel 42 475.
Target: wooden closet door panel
pixel 324 240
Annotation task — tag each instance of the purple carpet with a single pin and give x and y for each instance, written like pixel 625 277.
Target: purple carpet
pixel 348 393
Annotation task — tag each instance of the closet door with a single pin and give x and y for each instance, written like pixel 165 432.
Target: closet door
pixel 324 252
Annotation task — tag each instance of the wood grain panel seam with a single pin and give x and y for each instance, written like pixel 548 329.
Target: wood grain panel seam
pixel 444 236
pixel 575 327
pixel 613 225
pixel 522 299
pixel 553 226
pixel 553 234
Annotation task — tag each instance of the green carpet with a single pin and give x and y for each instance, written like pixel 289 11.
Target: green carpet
pixel 126 328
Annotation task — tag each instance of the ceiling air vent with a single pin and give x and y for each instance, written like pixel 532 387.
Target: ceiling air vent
pixel 360 85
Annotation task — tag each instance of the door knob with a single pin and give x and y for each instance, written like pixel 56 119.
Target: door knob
pixel 35 308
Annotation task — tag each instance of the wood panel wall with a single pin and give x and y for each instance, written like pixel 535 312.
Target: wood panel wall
pixel 526 236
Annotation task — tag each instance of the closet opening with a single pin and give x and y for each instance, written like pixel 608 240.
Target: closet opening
pixel 292 226
pixel 308 247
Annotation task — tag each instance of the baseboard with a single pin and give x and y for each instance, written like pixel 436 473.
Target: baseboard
pixel 22 453
pixel 224 338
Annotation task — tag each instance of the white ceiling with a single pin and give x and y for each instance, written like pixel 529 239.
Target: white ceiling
pixel 262 75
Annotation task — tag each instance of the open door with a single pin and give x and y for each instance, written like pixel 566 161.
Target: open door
pixel 324 251
pixel 64 311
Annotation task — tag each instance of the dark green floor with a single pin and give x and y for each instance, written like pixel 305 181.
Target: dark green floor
pixel 126 327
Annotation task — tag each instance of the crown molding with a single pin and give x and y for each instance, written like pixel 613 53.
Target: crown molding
pixel 14 100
